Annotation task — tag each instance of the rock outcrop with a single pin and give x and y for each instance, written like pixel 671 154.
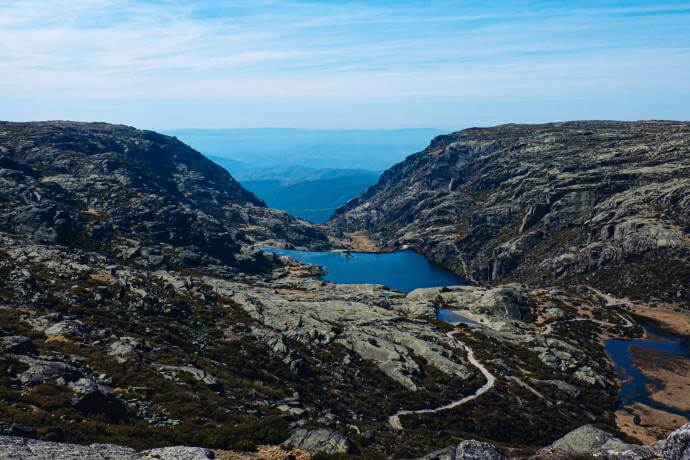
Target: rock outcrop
pixel 16 448
pixel 137 195
pixel 537 203
pixel 319 440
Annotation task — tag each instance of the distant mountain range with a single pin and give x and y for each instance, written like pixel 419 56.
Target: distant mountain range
pixel 317 199
pixel 306 172
pixel 374 150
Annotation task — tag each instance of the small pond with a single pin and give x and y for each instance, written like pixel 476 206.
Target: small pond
pixel 637 385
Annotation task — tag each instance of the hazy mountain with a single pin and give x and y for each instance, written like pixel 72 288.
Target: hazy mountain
pixel 340 149
pixel 306 172
pixel 317 196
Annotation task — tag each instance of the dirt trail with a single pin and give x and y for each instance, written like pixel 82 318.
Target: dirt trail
pixel 394 420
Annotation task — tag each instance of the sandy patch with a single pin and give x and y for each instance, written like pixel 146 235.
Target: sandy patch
pixel 58 339
pixel 263 452
pixel 102 276
pixel 360 242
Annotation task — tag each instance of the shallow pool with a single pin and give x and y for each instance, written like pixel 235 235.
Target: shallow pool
pixel 637 385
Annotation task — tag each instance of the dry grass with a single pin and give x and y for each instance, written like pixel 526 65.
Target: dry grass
pixel 675 321
pixel 654 424
pixel 360 242
pixel 263 453
pixel 672 372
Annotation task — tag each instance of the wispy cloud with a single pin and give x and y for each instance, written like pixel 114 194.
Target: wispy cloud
pixel 182 54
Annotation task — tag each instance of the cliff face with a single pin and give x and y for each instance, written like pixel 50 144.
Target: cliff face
pixel 130 193
pixel 537 203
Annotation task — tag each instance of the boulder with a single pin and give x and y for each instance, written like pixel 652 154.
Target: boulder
pixel 467 450
pixel 42 370
pixel 677 446
pixel 178 453
pixel 319 440
pixel 125 349
pixel 475 450
pixel 17 448
pixel 66 328
pixel 92 397
pixel 17 344
pixel 171 373
pixel 587 440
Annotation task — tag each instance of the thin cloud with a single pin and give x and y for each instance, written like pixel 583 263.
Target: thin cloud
pixel 258 52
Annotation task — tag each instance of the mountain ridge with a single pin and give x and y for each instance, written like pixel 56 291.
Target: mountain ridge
pixel 538 203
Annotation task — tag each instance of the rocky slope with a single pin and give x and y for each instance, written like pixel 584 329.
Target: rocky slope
pixel 605 201
pixel 134 195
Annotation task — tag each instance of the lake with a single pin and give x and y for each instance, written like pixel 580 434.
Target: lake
pixel 403 270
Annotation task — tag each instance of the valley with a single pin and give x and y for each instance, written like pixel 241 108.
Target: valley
pixel 150 300
pixel 308 173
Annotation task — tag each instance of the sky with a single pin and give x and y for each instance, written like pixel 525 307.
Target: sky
pixel 163 64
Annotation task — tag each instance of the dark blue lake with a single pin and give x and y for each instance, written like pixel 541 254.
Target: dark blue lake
pixel 403 271
pixel 636 388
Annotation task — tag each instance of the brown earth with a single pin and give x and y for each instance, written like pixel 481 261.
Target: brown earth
pixel 671 371
pixel 670 319
pixel 654 424
pixel 263 453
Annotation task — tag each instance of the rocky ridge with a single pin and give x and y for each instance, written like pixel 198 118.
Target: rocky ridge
pixel 606 202
pixel 586 440
pixel 135 195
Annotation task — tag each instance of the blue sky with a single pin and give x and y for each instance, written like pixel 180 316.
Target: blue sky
pixel 165 64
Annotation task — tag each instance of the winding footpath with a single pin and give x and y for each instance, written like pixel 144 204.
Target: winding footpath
pixel 394 420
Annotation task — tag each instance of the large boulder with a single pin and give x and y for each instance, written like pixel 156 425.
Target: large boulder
pixel 592 441
pixel 586 440
pixel 17 448
pixel 91 397
pixel 677 446
pixel 319 440
pixel 467 450
pixel 126 348
pixel 475 450
pixel 42 370
pixel 16 344
pixel 178 453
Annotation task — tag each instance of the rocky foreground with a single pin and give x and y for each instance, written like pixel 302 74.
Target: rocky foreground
pixel 580 443
pixel 136 309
